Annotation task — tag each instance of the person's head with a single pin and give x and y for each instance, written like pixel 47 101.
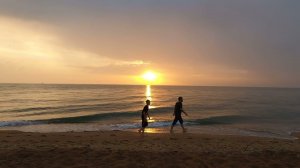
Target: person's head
pixel 148 102
pixel 180 99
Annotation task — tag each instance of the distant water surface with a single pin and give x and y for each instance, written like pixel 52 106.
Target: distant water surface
pixel 271 112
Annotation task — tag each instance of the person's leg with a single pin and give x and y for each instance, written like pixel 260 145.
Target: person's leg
pixel 141 129
pixel 143 126
pixel 181 124
pixel 173 124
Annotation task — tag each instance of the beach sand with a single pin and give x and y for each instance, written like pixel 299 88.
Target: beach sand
pixel 129 149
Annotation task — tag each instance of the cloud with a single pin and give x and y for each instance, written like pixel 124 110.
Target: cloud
pixel 257 37
pixel 29 54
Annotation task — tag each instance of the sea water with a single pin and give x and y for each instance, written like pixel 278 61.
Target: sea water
pixel 268 112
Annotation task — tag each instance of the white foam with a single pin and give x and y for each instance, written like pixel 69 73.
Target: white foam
pixel 138 125
pixel 16 123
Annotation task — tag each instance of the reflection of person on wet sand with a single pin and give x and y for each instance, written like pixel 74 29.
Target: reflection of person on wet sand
pixel 145 114
pixel 177 113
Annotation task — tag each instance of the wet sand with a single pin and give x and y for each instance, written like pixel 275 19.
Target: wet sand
pixel 129 149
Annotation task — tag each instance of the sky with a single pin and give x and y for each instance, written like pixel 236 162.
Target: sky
pixel 191 42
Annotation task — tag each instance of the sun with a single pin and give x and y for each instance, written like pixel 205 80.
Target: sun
pixel 149 76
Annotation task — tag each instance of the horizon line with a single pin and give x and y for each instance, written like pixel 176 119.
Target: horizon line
pixel 42 83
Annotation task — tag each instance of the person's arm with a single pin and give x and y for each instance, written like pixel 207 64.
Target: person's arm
pixel 185 113
pixel 144 115
pixel 145 112
pixel 174 109
pixel 183 110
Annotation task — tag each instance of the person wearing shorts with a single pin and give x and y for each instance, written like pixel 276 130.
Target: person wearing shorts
pixel 144 116
pixel 177 113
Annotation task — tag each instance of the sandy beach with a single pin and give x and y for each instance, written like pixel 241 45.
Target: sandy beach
pixel 129 149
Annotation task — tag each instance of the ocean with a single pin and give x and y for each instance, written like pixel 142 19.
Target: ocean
pixel 249 111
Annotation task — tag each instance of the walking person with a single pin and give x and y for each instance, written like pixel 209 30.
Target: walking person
pixel 177 113
pixel 144 116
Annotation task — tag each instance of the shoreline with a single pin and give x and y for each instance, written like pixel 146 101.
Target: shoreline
pixel 129 149
pixel 84 127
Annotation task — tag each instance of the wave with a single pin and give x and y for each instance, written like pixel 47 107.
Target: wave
pixel 224 119
pixel 18 123
pixel 73 107
pixel 104 116
pixel 85 118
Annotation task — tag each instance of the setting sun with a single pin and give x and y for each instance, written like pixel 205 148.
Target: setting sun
pixel 149 76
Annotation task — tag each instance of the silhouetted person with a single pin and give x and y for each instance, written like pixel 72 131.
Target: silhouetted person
pixel 177 113
pixel 144 116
